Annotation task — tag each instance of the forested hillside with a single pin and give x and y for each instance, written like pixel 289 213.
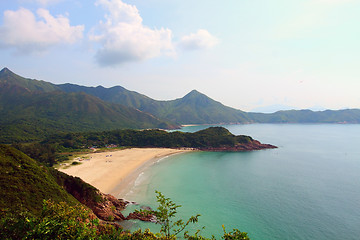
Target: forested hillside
pixel 31 110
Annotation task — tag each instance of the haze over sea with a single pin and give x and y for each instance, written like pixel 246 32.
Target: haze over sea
pixel 308 188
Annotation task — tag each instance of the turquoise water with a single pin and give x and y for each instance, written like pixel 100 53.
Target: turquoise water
pixel 308 188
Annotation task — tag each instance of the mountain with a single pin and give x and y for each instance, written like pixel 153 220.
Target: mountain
pixel 32 109
pixel 8 78
pixel 197 108
pixel 102 107
pixel 115 94
pixel 194 108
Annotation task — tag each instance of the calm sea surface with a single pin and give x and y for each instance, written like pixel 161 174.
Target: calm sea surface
pixel 308 188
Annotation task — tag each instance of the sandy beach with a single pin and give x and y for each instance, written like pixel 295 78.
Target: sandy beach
pixel 112 171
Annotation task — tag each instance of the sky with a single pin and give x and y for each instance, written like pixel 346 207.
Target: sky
pixel 246 54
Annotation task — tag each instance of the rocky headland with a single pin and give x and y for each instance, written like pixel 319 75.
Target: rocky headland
pixel 243 147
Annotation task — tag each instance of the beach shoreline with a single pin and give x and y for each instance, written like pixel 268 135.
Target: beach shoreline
pixel 115 172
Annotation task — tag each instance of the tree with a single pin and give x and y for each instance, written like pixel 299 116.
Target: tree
pixel 165 214
pixel 236 234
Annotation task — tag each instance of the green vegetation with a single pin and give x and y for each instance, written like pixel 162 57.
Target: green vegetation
pixel 24 183
pixel 55 221
pixel 235 234
pixel 210 137
pixel 75 186
pixel 47 151
pixel 43 153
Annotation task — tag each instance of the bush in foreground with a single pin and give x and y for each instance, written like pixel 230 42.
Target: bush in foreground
pixel 62 221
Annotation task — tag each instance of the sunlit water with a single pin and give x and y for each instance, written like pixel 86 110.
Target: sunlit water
pixel 308 188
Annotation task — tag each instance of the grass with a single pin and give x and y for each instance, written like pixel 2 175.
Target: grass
pixel 24 183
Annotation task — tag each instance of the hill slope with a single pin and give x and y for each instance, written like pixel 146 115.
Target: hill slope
pixel 197 108
pixel 31 115
pixel 24 184
pixel 7 77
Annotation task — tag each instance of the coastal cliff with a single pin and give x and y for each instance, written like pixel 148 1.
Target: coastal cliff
pixel 105 206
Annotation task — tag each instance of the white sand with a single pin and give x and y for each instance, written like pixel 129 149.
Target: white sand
pixel 107 170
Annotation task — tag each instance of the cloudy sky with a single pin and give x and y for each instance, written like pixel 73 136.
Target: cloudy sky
pixel 244 53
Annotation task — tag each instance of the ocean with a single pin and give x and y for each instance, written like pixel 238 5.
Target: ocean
pixel 308 188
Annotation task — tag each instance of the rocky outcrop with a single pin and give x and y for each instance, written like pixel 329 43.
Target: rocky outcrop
pixel 243 147
pixel 143 216
pixel 109 209
pixel 105 206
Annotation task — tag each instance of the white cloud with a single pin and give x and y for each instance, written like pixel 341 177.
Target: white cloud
pixel 26 33
pixel 199 40
pixel 47 2
pixel 123 37
pixel 41 2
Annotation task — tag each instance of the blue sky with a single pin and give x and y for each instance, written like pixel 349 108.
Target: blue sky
pixel 243 53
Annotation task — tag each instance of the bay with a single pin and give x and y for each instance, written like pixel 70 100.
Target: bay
pixel 308 188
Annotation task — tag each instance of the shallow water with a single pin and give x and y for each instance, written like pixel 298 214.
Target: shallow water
pixel 308 188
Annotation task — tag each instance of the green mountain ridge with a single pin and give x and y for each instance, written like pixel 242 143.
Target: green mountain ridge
pixel 197 108
pixel 33 114
pixel 193 108
pixel 78 108
pixel 7 77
